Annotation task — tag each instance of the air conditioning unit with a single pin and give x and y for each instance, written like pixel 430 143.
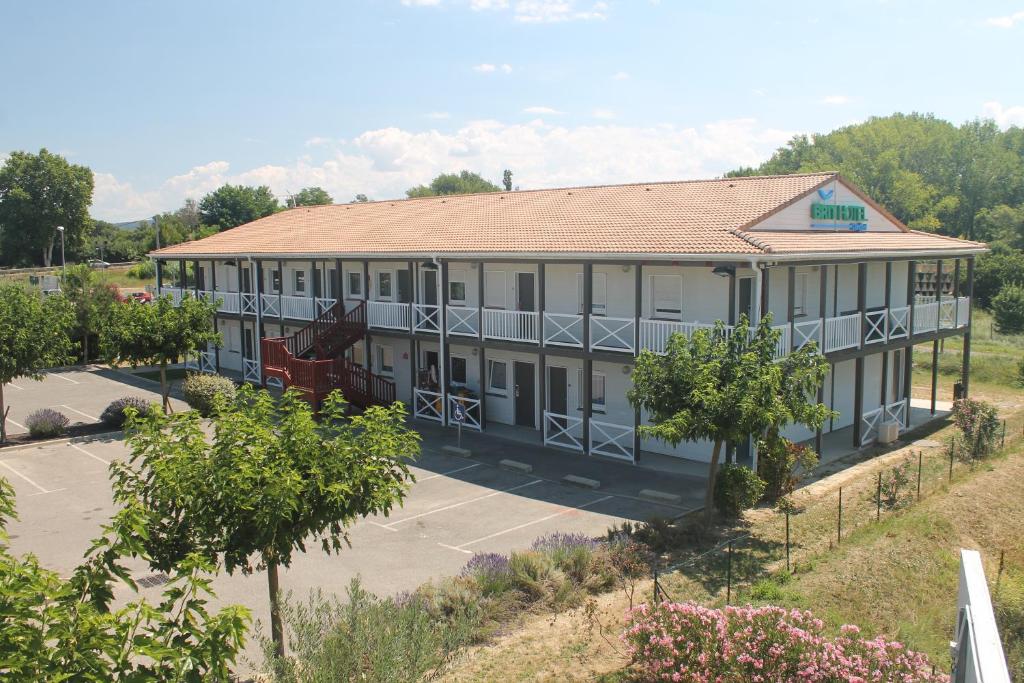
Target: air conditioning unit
pixel 888 431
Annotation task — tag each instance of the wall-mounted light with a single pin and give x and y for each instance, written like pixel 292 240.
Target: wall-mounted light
pixel 626 369
pixel 626 268
pixel 724 271
pixel 476 351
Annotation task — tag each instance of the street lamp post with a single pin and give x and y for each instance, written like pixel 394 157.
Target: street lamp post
pixel 63 263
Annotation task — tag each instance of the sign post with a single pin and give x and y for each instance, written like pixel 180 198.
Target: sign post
pixel 459 415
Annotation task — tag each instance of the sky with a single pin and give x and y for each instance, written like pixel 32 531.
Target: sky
pixel 169 100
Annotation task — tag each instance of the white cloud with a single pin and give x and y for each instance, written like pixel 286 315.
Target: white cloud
pixel 479 5
pixel 385 162
pixel 1003 116
pixel 317 141
pixel 484 68
pixel 1006 22
pixel 542 110
pixel 835 99
pixel 534 11
pixel 605 114
pixel 421 3
pixel 506 68
pixel 620 76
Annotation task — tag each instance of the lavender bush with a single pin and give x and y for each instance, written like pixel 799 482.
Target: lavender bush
pixel 490 571
pixel 113 415
pixel 564 541
pixel 46 423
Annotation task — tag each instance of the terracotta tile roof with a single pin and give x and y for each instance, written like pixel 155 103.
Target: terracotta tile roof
pixel 844 242
pixel 701 217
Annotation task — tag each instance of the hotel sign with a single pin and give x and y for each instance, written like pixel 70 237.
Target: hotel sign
pixel 848 216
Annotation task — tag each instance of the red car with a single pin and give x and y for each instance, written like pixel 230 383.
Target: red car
pixel 141 297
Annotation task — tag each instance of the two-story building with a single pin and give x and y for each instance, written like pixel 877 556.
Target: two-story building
pixel 525 310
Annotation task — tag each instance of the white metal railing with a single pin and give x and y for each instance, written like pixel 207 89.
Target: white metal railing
pixel 427 405
pixel 387 315
pixel 612 440
pixel 783 345
pixel 323 304
pixel 518 326
pixel 251 370
pixel 471 409
pixel 947 314
pixel 426 318
pixel 229 301
pixel 248 303
pixel 869 422
pixel 963 311
pixel 612 334
pixel 654 334
pixel 926 317
pixel 897 412
pixel 271 305
pixel 806 332
pixel 976 649
pixel 842 333
pixel 203 361
pixel 876 326
pixel 463 321
pixel 563 430
pixel 175 292
pixel 899 322
pixel 563 329
pixel 298 307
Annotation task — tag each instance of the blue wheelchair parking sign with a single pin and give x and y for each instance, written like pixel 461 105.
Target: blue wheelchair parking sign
pixel 459 415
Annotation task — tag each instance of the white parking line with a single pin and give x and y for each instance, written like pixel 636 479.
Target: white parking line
pixel 15 386
pixel 17 424
pixel 465 502
pixel 60 376
pixel 22 476
pixel 74 410
pixel 94 457
pixel 564 511
pixel 445 474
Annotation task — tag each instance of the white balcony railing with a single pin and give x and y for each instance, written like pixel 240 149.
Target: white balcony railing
pixel 271 305
pixel 612 440
pixel 323 304
pixel 783 345
pixel 517 326
pixel 471 410
pixel 806 332
pixel 926 317
pixel 897 412
pixel 563 329
pixel 963 311
pixel 876 326
pixel 842 333
pixel 387 315
pixel 899 322
pixel 175 292
pixel 229 301
pixel 654 334
pixel 248 303
pixel 251 370
pixel 563 430
pixel 298 307
pixel 201 361
pixel 426 318
pixel 427 405
pixel 463 321
pixel 612 334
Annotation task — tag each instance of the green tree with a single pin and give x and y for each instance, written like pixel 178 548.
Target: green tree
pixel 724 388
pixel 993 271
pixel 33 337
pixel 57 629
pixel 91 299
pixel 310 196
pixel 272 478
pixel 1008 309
pixel 464 182
pixel 360 199
pixel 158 333
pixel 1001 224
pixel 232 205
pixel 506 180
pixel 38 192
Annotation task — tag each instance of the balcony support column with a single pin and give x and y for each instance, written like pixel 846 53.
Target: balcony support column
pixel 791 305
pixel 159 269
pixel 445 350
pixel 588 363
pixel 413 361
pixel 885 325
pixel 241 331
pixel 280 292
pixel 965 369
pixel 182 279
pixel 483 389
pixel 935 374
pixel 638 310
pixel 338 283
pixel 732 297
pixel 542 376
pixel 366 299
pixel 858 400
pixel 480 299
pixel 822 304
pixel 259 315
pixel 938 296
pixel 911 296
pixel 541 305
pixel 862 301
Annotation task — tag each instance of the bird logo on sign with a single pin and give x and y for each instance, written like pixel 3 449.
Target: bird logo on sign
pixel 826 194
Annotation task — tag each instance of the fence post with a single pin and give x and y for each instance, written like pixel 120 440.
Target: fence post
pixel 839 526
pixel 787 540
pixel 952 453
pixel 999 574
pixel 920 457
pixel 655 570
pixel 1002 440
pixel 878 499
pixel 728 577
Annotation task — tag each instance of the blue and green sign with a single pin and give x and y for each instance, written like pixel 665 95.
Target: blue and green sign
pixel 849 216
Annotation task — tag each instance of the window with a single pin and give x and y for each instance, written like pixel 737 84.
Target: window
pixel 667 296
pixel 275 281
pixel 598 294
pixel 300 282
pixel 494 289
pixel 355 284
pixel 800 294
pixel 497 377
pixel 457 287
pixel 597 394
pixel 356 356
pixel 384 285
pixel 385 360
pixel 458 370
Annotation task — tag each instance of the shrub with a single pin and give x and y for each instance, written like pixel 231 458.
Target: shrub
pixel 113 415
pixel 781 464
pixel 46 423
pixel 684 641
pixel 490 571
pixel 659 534
pixel 978 423
pixel 202 392
pixel 143 270
pixel 737 488
pixel 895 489
pixel 1008 309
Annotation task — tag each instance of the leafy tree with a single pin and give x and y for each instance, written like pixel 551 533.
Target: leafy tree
pixel 360 199
pixel 91 299
pixel 33 337
pixel 1001 224
pixel 189 215
pixel 506 180
pixel 272 477
pixel 724 388
pixel 232 205
pixel 59 629
pixel 993 271
pixel 38 192
pixel 158 333
pixel 310 196
pixel 464 182
pixel 1008 309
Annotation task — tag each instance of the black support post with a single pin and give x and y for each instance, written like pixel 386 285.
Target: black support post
pixel 638 309
pixel 588 363
pixel 965 368
pixel 241 330
pixel 791 303
pixel 858 386
pixel 280 293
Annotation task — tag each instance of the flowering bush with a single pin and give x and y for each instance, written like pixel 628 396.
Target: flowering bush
pixel 978 423
pixel 687 642
pixel 782 464
pixel 113 415
pixel 46 422
pixel 491 572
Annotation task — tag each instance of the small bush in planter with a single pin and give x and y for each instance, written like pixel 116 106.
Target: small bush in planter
pixel 46 423
pixel 201 391
pixel 737 488
pixel 113 415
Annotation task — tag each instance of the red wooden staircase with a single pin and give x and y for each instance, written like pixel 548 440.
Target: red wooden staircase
pixel 326 338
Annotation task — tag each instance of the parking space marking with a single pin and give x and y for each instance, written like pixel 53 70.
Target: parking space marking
pixel 458 550
pixel 465 502
pixel 82 450
pixel 16 386
pixel 561 512
pixel 445 474
pixel 94 419
pixel 16 424
pixel 22 476
pixel 60 376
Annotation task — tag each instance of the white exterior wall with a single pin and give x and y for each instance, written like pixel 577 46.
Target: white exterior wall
pixel 468 273
pixel 797 216
pixel 501 408
pixel 506 297
pixel 705 295
pixel 843 379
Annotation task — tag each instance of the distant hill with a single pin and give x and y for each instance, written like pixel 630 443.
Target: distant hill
pixel 130 225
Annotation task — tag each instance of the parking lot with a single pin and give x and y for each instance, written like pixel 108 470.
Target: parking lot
pixel 456 508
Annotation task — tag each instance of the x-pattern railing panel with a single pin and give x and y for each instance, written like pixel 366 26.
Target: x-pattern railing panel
pixel 428 405
pixel 426 318
pixel 563 329
pixel 251 370
pixel 271 305
pixel 869 426
pixel 875 326
pixel 899 322
pixel 464 321
pixel 896 411
pixel 612 440
pixel 806 332
pixel 611 334
pixel 559 431
pixel 248 303
pixel 471 409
